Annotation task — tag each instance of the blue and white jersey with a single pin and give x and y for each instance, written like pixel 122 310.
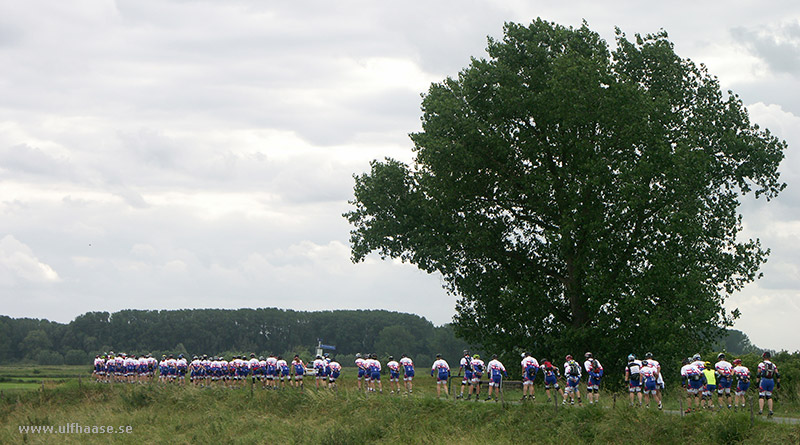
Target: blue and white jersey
pixel 478 367
pixel 530 367
pixel 336 369
pixel 283 367
pixel 299 367
pixel 496 368
pixel 441 369
pixel 408 366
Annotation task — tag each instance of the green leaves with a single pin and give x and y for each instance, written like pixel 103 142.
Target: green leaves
pixel 576 198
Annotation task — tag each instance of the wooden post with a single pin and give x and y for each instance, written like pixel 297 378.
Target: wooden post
pixel 500 390
pixel 752 416
pixel 449 379
pixel 555 400
pixel 680 401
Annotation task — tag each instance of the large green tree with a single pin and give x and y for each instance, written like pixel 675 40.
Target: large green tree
pixel 576 198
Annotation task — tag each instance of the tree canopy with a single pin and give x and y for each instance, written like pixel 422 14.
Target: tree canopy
pixel 576 198
pixel 222 331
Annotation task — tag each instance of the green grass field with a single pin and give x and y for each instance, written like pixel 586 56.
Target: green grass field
pixel 177 414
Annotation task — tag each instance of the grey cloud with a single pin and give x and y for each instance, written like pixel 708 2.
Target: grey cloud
pixel 10 34
pixel 779 47
pixel 33 161
pixel 167 116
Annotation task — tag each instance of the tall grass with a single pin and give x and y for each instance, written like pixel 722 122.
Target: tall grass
pixel 172 414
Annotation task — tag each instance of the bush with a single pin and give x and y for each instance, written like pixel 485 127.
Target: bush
pixel 47 357
pixel 76 357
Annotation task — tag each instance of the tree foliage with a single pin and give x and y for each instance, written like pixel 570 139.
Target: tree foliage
pixel 218 331
pixel 576 198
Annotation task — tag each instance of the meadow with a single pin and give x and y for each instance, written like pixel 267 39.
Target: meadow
pixel 158 412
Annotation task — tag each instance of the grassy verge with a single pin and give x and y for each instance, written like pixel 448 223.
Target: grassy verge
pixel 199 415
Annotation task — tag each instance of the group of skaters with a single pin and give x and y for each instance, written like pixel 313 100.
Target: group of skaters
pixel 369 373
pixel 271 372
pixel 644 378
pixel 473 369
pixel 701 380
pixel 124 368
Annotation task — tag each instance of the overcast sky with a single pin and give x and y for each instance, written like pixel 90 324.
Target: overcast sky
pixel 189 154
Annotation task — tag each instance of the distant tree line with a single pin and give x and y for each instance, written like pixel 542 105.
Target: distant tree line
pixel 217 331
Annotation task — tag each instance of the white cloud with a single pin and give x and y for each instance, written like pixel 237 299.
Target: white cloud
pixel 766 316
pixel 19 265
pixel 172 154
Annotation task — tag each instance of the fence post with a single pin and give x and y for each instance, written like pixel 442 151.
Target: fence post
pixel 500 389
pixel 752 417
pixel 555 401
pixel 449 379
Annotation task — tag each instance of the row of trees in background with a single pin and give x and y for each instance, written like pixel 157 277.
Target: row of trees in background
pixel 263 331
pixel 217 331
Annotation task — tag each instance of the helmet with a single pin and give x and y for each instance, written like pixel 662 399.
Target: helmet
pixel 391 357
pixel 569 357
pixel 494 356
pixel 645 362
pixel 438 355
pixel 766 354
pixel 737 362
pixel 648 355
pixel 708 365
pixel 720 356
pixel 476 356
pixel 261 358
pixel 631 357
pixel 180 355
pixel 696 357
pixel 588 355
pixel 543 360
pixel 686 361
pixel 358 355
pixel 523 355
